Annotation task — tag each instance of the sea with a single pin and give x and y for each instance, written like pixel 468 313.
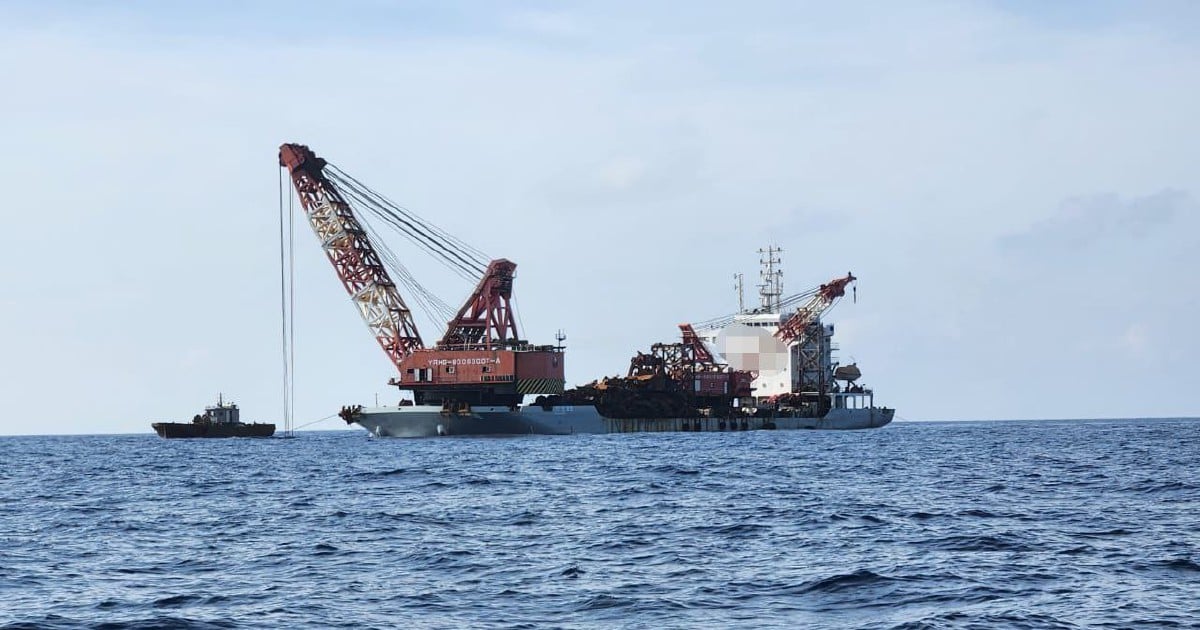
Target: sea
pixel 1044 524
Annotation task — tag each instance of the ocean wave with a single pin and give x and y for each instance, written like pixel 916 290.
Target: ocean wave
pixel 912 526
pixel 843 581
pixel 980 542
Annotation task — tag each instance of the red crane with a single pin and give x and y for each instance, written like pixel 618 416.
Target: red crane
pixel 481 358
pixel 700 351
pixel 811 310
pixel 355 260
pixel 689 366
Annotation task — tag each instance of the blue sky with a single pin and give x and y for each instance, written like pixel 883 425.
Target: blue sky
pixel 1015 184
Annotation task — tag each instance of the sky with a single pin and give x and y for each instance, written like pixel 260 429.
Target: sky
pixel 1016 184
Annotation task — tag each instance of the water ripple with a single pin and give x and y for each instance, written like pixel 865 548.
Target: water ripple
pixel 961 525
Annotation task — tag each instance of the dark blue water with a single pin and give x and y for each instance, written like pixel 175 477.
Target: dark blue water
pixel 917 525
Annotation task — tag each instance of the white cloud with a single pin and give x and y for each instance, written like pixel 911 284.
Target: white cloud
pixel 554 24
pixel 1135 340
pixel 623 173
pixel 1105 218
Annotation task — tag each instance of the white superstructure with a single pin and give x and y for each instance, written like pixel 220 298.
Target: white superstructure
pixel 780 368
pixel 805 366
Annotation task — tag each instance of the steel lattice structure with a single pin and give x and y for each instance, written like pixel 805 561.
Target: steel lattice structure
pixel 348 249
pixel 486 319
pixel 811 311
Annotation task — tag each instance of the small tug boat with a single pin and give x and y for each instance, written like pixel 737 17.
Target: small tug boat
pixel 219 421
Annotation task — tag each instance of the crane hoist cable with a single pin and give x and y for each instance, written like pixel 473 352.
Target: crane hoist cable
pixel 287 302
pixel 283 292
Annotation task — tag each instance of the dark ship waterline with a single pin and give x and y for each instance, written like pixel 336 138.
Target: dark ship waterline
pixel 219 421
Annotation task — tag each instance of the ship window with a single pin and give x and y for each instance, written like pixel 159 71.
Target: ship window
pixel 449 369
pixel 487 368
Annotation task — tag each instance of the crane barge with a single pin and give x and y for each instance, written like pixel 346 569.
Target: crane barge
pixel 477 374
pixel 473 380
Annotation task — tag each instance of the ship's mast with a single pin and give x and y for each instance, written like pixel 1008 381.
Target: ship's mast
pixel 740 286
pixel 771 288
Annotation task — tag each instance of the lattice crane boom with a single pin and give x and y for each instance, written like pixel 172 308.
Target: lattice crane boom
pixel 353 257
pixel 811 310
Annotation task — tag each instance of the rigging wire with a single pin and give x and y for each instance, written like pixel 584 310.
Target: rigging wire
pixel 402 273
pixel 785 303
pixel 418 235
pixel 437 309
pixel 461 244
pixel 457 250
pixel 430 304
pixel 461 268
pixel 464 260
pixel 309 424
pixel 517 312
pixel 370 207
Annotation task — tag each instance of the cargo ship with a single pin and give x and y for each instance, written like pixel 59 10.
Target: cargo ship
pixel 769 367
pixel 734 374
pixel 218 421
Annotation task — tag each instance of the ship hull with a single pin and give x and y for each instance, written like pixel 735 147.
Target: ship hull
pixel 172 430
pixel 430 421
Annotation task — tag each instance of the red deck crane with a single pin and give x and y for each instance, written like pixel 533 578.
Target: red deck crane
pixel 481 358
pixel 811 310
pixel 690 366
pixel 699 350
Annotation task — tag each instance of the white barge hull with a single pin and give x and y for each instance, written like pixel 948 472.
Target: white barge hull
pixel 430 421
